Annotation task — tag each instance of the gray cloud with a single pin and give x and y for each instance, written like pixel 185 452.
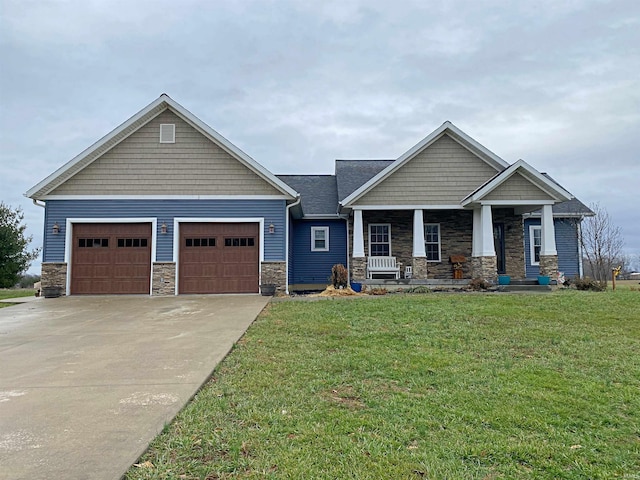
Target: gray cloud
pixel 297 84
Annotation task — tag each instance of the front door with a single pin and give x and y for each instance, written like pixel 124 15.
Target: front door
pixel 498 242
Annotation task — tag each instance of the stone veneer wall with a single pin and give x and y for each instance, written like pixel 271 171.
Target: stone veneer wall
pixel 358 268
pixel 420 268
pixel 484 267
pixel 456 229
pixel 513 241
pixel 164 278
pixel 549 265
pixel 456 234
pixel 54 275
pixel 274 272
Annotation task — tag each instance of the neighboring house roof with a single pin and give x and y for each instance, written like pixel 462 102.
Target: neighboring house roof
pixel 447 128
pixel 134 123
pixel 352 174
pixel 319 193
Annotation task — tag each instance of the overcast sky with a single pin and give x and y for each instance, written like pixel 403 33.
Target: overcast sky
pixel 297 84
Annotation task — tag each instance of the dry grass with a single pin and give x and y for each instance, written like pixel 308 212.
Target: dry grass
pixel 330 291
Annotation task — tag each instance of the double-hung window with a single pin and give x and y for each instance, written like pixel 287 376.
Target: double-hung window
pixel 535 243
pixel 432 241
pixel 319 239
pixel 379 239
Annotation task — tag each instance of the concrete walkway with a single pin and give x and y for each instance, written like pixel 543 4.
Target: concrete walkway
pixel 87 382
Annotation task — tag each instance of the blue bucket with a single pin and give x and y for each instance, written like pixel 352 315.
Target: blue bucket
pixel 504 280
pixel 356 287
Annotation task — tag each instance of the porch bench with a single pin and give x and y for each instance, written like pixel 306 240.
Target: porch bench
pixel 382 265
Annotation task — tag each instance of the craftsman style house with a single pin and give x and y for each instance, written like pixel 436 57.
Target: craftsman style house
pixel 165 205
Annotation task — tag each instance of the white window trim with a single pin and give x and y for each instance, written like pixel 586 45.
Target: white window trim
pixel 532 250
pixel 164 126
pixel 439 242
pixel 313 239
pixel 388 225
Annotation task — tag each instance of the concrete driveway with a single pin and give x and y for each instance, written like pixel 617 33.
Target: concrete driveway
pixel 87 382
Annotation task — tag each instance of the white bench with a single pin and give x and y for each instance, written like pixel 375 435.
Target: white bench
pixel 382 265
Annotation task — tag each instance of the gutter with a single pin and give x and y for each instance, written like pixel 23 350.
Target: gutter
pixel 35 202
pixel 286 243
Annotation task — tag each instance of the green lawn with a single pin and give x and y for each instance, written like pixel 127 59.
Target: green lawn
pixel 14 293
pixel 435 386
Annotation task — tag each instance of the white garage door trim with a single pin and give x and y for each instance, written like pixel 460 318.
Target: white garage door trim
pixel 68 240
pixel 176 238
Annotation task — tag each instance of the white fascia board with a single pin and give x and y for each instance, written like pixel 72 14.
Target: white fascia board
pixel 231 148
pixel 165 197
pixel 492 157
pixel 407 207
pixel 183 113
pixel 88 151
pixel 507 203
pixel 539 180
pixel 462 138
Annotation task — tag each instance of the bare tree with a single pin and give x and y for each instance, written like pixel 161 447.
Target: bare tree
pixel 601 242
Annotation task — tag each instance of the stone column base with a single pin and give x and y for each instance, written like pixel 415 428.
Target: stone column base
pixel 164 278
pixel 484 267
pixel 419 268
pixel 359 268
pixel 549 265
pixel 274 273
pixel 54 275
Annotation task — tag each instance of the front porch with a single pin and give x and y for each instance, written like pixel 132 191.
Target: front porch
pixel 441 246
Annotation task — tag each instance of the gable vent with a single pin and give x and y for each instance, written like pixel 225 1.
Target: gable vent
pixel 167 133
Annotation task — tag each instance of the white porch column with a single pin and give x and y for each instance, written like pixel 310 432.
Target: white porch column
pixel 548 246
pixel 358 235
pixel 419 249
pixel 487 249
pixel 476 238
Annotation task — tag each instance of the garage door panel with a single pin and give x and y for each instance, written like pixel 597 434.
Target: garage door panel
pixel 219 258
pixel 111 258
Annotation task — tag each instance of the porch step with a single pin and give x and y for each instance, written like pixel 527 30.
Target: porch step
pixel 527 287
pixel 526 281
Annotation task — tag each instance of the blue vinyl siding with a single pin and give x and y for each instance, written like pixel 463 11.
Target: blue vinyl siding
pixel 315 267
pixel 566 245
pixel 273 211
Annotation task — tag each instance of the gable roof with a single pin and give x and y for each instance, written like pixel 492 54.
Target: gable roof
pixel 447 128
pixel 352 174
pixel 541 181
pixel 319 193
pixel 134 123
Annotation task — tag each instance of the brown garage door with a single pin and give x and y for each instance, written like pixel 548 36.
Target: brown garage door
pixel 219 257
pixel 111 258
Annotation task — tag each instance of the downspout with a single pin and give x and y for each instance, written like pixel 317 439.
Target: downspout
pixel 580 271
pixel 286 253
pixel 348 257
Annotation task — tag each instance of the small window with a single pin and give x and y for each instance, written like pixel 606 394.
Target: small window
pixel 379 239
pixel 535 244
pixel 93 242
pixel 132 242
pixel 319 239
pixel 167 133
pixel 432 241
pixel 200 242
pixel 239 242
